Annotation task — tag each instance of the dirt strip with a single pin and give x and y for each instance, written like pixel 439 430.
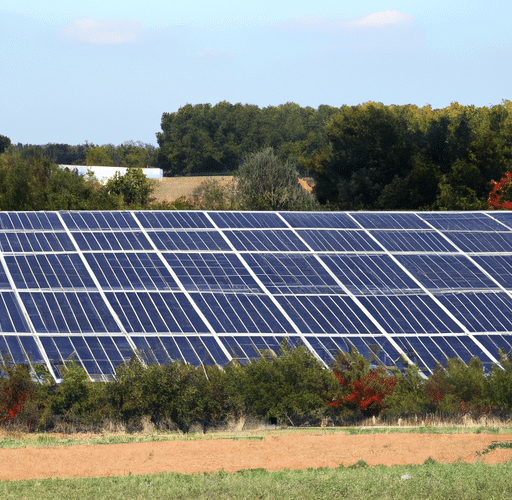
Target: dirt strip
pixel 271 453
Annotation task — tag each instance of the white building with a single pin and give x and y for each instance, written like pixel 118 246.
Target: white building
pixel 103 174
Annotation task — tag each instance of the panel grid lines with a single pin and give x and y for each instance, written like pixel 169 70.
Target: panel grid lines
pixel 205 287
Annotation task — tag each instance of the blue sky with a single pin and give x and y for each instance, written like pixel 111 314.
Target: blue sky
pixel 105 71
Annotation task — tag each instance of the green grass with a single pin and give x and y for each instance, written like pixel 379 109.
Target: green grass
pixel 20 440
pixel 418 482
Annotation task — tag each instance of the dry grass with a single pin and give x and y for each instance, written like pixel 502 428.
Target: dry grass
pixel 171 188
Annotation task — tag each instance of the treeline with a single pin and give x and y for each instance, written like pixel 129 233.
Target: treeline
pixel 290 388
pixel 36 183
pixel 130 154
pixel 203 138
pixel 369 156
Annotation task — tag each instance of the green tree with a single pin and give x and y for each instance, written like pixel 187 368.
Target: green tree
pixel 134 187
pixel 5 142
pixel 292 386
pixel 98 155
pixel 267 183
pixel 368 146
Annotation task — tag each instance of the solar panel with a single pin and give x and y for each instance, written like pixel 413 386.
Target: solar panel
pixel 210 287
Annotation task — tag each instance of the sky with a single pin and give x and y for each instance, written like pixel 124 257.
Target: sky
pixel 104 71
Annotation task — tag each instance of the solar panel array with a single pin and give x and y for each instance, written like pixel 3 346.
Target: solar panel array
pixel 210 287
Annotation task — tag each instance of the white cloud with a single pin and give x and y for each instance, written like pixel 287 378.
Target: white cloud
pixel 375 20
pixel 102 31
pixel 384 18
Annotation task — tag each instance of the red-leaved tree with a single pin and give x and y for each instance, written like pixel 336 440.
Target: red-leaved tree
pixel 500 196
pixel 366 387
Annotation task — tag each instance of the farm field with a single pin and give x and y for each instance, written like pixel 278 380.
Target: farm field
pixel 380 463
pixel 171 188
pixel 44 458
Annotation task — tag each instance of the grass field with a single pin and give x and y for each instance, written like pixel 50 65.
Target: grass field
pixel 21 440
pixel 428 481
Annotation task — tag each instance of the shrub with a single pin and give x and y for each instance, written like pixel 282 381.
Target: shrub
pixel 363 388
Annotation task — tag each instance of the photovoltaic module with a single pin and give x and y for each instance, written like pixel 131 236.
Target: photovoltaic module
pixel 210 287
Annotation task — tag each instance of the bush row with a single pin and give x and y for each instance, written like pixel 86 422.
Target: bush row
pixel 292 388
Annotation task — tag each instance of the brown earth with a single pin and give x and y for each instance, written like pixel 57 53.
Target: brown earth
pixel 298 451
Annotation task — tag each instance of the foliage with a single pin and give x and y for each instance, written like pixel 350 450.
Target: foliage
pixel 408 396
pixel 5 142
pixel 500 196
pixel 212 195
pixel 292 385
pixel 267 183
pixel 16 387
pixel 134 187
pixel 205 138
pixel 457 387
pixel 363 388
pixel 498 390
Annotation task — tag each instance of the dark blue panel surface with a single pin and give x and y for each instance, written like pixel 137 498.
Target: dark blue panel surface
pixel 415 350
pixel 13 343
pixel 35 242
pixel 446 272
pixel 93 221
pixel 188 240
pixel 266 241
pixel 172 348
pixel 496 344
pixel 380 220
pixel 30 221
pixel 242 313
pixel 123 346
pixel 40 271
pixel 498 266
pixel 370 274
pixel 505 217
pixel 326 314
pixel 469 241
pixel 236 220
pixel 11 316
pixel 481 312
pixel 213 272
pixel 131 271
pixel 410 314
pixel 413 241
pixel 313 220
pixel 112 241
pixel 187 351
pixel 339 241
pixel 462 221
pixel 156 313
pixel 173 220
pixel 236 351
pixel 68 312
pixel 292 274
pixel 214 349
pixel 31 349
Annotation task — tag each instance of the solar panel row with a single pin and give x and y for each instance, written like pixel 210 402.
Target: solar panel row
pixel 208 287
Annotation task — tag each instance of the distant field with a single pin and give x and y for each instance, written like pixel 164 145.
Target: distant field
pixel 172 188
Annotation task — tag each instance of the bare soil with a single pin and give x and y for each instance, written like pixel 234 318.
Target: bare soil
pixel 296 451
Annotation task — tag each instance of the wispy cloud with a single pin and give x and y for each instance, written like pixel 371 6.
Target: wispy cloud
pixel 102 31
pixel 375 20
